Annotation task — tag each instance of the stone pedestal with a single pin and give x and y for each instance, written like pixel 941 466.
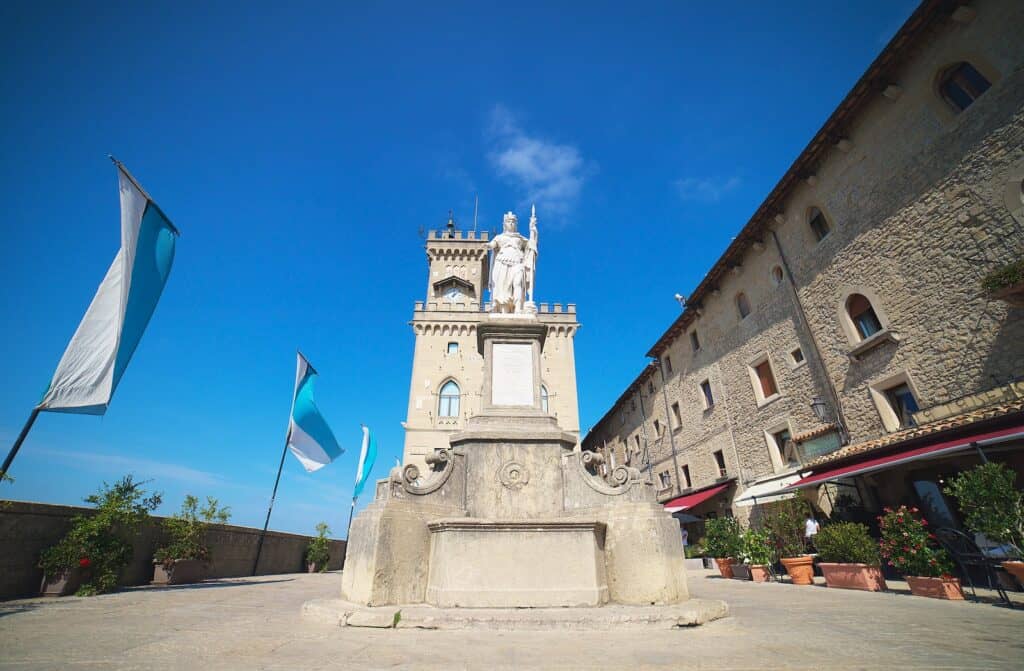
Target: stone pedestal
pixel 513 514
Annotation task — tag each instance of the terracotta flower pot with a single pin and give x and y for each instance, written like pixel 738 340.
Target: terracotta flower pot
pixel 936 588
pixel 740 571
pixel 724 566
pixel 853 576
pixel 64 583
pixel 800 569
pixel 179 572
pixel 1016 569
pixel 760 573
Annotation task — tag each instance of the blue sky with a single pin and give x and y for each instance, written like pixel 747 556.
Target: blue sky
pixel 300 149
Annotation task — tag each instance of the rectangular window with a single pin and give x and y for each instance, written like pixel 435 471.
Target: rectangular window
pixel 766 379
pixel 657 428
pixel 666 479
pixel 668 365
pixel 720 462
pixel 709 398
pixel 650 387
pixel 676 416
pixel 787 456
pixel 694 341
pixel 686 477
pixel 453 348
pixel 798 355
pixel 637 439
pixel 903 404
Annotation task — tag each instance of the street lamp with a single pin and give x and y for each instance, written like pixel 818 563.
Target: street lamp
pixel 819 408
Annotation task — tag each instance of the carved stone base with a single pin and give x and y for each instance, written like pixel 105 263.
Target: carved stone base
pixel 339 613
pixel 539 563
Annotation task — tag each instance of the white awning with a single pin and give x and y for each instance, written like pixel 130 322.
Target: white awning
pixel 767 491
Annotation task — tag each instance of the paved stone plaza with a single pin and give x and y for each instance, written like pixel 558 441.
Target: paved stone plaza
pixel 255 624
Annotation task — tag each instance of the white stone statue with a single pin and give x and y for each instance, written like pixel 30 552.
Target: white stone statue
pixel 513 264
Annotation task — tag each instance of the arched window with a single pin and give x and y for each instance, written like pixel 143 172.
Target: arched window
pixel 449 403
pixel 743 305
pixel 543 398
pixel 863 316
pixel 961 84
pixel 818 223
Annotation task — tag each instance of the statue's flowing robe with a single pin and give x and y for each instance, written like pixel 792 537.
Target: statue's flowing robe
pixel 507 269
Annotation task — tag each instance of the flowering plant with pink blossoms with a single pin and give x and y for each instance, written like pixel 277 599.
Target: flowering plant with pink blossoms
pixel 908 547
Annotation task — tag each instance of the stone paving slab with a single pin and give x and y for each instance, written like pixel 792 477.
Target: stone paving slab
pixel 341 613
pixel 256 623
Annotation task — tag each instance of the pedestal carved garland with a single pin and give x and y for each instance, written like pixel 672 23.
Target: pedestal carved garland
pixel 513 475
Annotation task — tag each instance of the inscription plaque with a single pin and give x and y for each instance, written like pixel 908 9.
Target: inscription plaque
pixel 512 374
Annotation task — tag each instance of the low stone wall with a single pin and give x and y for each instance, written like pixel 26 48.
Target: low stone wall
pixel 26 529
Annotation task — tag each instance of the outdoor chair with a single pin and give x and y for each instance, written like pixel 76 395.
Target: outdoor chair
pixel 967 555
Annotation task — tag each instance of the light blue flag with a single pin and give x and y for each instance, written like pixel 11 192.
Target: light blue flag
pixel 367 456
pixel 309 437
pixel 112 327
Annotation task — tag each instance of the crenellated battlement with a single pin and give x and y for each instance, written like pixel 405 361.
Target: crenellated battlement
pixel 458 235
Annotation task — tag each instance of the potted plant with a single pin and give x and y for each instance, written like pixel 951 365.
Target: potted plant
pixel 785 524
pixel 848 557
pixel 89 559
pixel 722 541
pixel 1006 283
pixel 910 549
pixel 992 506
pixel 757 554
pixel 317 554
pixel 183 559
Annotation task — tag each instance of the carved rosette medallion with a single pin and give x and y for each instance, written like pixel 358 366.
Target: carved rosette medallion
pixel 513 475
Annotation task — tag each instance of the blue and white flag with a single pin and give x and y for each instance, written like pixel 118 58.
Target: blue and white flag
pixel 309 437
pixel 367 456
pixel 108 334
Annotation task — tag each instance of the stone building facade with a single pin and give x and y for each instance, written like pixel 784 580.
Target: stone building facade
pixel 857 282
pixel 448 367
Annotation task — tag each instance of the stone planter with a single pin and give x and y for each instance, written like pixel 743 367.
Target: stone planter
pixel 724 566
pixel 936 588
pixel 1016 569
pixel 853 576
pixel 760 573
pixel 740 572
pixel 800 569
pixel 694 564
pixel 64 583
pixel 179 572
pixel 312 567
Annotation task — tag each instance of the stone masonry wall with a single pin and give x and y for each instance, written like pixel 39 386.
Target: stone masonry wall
pixel 26 529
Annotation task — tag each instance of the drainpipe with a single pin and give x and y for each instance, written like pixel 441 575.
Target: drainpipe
pixel 668 427
pixel 823 370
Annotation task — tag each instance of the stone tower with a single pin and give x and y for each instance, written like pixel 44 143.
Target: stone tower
pixel 447 368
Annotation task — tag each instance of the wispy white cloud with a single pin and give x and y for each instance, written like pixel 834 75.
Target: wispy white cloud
pixel 159 470
pixel 706 189
pixel 545 172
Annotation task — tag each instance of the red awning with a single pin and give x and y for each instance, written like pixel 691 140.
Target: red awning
pixel 695 499
pixel 908 455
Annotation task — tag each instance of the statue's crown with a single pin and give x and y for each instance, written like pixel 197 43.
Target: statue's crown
pixel 510 218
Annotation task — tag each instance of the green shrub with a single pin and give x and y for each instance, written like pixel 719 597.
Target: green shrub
pixel 784 523
pixel 723 538
pixel 694 551
pixel 100 542
pixel 757 548
pixel 317 550
pixel 847 543
pixel 186 529
pixel 908 547
pixel 1004 276
pixel 990 503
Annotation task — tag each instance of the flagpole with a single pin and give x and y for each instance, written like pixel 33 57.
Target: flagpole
pixel 351 510
pixel 273 495
pixel 21 438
